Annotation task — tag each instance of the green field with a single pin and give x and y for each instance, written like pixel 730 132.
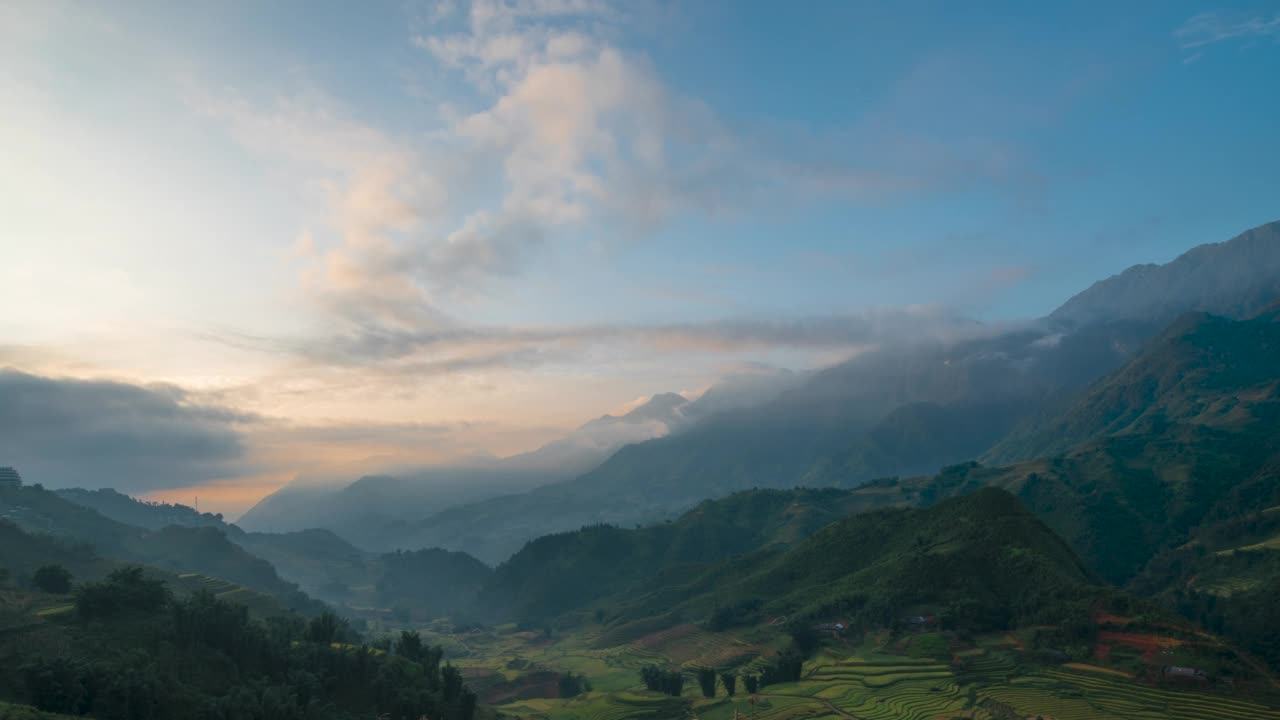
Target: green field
pixel 873 681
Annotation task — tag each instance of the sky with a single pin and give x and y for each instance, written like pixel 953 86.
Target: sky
pixel 245 243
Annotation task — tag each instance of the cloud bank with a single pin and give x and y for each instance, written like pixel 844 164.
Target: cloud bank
pixel 94 433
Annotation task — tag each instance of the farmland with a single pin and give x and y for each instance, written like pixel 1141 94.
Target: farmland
pixel 872 680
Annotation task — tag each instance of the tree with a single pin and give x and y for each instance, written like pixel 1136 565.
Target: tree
pixel 323 628
pixel 670 682
pixel 751 683
pixel 730 683
pixel 707 679
pixel 55 686
pixel 573 685
pixel 126 590
pixel 787 667
pixel 53 579
pixel 409 646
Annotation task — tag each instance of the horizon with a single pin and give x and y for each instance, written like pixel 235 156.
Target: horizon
pixel 240 250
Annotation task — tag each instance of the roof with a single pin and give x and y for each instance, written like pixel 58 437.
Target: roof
pixel 9 475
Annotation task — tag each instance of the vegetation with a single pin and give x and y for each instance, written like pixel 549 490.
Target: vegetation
pixel 560 573
pixel 86 535
pixel 437 582
pixel 132 650
pixel 730 682
pixel 52 579
pixel 663 680
pixel 707 681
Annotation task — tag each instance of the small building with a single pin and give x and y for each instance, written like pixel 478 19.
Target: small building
pixel 9 478
pixel 1185 673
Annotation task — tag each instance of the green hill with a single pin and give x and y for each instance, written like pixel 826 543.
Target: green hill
pixel 565 571
pixel 425 584
pixel 1202 370
pixel 130 511
pixel 981 560
pixel 21 553
pixel 128 646
pixel 177 549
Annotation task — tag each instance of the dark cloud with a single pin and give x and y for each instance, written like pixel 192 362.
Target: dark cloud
pixel 95 433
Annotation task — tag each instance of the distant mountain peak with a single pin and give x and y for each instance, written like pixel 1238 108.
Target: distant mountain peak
pixel 1234 279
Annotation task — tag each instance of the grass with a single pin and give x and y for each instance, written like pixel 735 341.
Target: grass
pixel 1268 544
pixel 55 610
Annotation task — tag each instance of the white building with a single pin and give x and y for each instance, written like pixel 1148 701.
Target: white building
pixel 9 478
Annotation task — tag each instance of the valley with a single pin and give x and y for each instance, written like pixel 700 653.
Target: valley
pixel 1043 543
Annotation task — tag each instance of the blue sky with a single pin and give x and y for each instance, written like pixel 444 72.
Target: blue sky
pixel 503 218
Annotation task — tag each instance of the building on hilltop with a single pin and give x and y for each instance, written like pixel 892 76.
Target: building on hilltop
pixel 9 478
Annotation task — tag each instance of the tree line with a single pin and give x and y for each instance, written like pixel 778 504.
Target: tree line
pixel 136 652
pixel 786 667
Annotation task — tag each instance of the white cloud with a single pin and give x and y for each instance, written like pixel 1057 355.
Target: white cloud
pixel 1209 28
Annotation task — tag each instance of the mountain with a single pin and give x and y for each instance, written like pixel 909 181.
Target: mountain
pixel 130 511
pixel 558 573
pixel 1203 370
pixel 982 560
pixel 426 584
pixel 176 549
pixel 21 553
pixel 136 642
pixel 359 511
pixel 896 410
pixel 1235 279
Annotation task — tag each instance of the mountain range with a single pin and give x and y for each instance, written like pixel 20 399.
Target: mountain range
pixel 361 511
pixel 1078 484
pixel 899 410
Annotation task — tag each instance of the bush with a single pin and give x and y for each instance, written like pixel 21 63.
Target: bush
pixel 52 579
pixel 573 685
pixel 125 591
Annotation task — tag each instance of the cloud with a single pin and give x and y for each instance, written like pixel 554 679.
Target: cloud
pixel 97 433
pixel 64 432
pixel 568 139
pixel 441 349
pixel 1210 28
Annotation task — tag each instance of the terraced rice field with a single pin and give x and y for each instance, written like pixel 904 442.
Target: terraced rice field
pixel 1228 586
pixel 599 706
pixel 1068 695
pixel 1268 544
pixel 257 602
pixel 870 684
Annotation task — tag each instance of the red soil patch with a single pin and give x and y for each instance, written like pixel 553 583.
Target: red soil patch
pixel 1141 642
pixel 662 637
pixel 1015 641
pixel 1106 618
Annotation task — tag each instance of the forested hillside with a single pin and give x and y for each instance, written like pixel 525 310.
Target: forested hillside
pixel 128 648
pixel 558 573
